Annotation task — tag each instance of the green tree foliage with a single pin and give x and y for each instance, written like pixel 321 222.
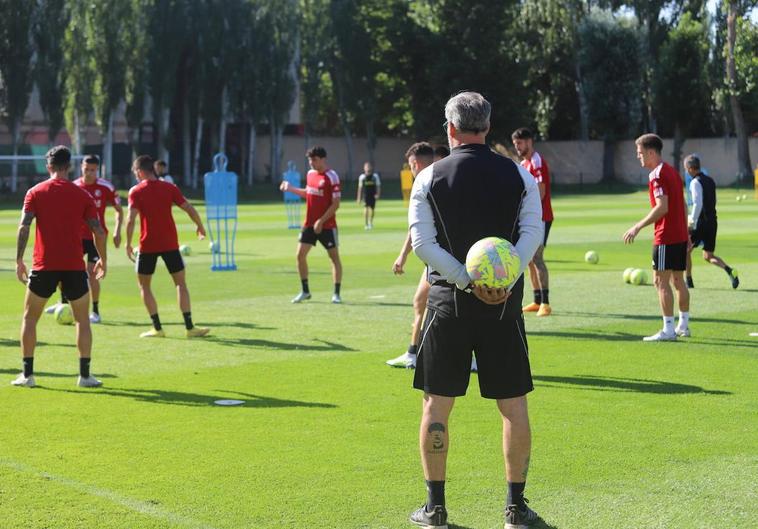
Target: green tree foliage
pixel 15 68
pixel 49 26
pixel 78 72
pixel 746 65
pixel 610 57
pixel 682 86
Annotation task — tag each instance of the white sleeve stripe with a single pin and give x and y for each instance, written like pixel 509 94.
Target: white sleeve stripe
pixel 536 160
pixel 333 176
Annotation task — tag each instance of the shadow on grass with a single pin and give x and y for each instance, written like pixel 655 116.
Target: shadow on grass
pixel 181 398
pixel 646 317
pixel 281 346
pixel 243 325
pixel 16 343
pixel 629 337
pixel 377 304
pixel 594 383
pixel 53 375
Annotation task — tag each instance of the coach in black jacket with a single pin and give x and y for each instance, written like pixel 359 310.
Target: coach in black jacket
pixel 472 194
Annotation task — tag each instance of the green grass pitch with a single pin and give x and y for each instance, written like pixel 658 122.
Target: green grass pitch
pixel 626 434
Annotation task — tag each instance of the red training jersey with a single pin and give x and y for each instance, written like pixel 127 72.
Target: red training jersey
pixel 320 191
pixel 537 166
pixel 154 199
pixel 672 227
pixel 60 208
pixel 104 194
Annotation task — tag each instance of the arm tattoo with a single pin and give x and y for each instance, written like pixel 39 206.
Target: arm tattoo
pixel 23 234
pixel 94 225
pixel 23 238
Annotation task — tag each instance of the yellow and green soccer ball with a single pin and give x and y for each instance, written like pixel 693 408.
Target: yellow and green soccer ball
pixel 63 314
pixel 493 262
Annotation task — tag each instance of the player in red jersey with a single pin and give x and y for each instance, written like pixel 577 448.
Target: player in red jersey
pixel 670 240
pixel 60 207
pixel 523 141
pixel 104 194
pixel 152 200
pixel 322 199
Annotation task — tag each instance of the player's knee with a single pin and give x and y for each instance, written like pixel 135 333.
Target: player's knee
pixel 707 256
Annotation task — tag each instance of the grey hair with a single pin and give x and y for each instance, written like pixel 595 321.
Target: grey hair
pixel 693 161
pixel 469 112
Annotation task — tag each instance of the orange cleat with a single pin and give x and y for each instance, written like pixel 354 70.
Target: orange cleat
pixel 545 310
pixel 532 307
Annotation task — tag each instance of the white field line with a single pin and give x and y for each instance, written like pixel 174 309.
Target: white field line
pixel 130 503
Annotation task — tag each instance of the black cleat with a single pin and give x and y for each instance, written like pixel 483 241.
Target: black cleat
pixel 519 517
pixel 735 278
pixel 437 519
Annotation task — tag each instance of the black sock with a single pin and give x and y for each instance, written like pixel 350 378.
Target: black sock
pixel 337 288
pixel 436 494
pixel 306 290
pixel 538 297
pixel 545 298
pixel 412 349
pixel 28 366
pixel 516 493
pixel 96 307
pixel 187 320
pixel 156 321
pixel 84 367
pixel 728 270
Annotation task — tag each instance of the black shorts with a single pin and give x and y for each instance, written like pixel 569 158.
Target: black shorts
pixel 88 248
pixel 146 262
pixel 705 235
pixel 548 224
pixel 328 237
pixel 73 283
pixel 443 365
pixel 370 201
pixel 670 256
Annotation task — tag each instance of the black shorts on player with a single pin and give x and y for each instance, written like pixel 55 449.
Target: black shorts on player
pixel 705 235
pixel 73 283
pixel 146 262
pixel 88 248
pixel 370 201
pixel 327 237
pixel 670 257
pixel 548 224
pixel 443 365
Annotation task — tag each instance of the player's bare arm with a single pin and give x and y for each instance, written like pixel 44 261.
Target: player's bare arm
pixel 23 238
pixel 397 266
pixel 131 215
pixel 101 244
pixel 542 190
pixel 659 211
pixel 119 224
pixel 358 196
pixel 287 188
pixel 328 214
pixel 195 216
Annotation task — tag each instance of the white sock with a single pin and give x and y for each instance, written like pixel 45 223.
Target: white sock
pixel 684 320
pixel 668 324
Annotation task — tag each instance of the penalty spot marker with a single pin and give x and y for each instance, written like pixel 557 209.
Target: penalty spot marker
pixel 228 402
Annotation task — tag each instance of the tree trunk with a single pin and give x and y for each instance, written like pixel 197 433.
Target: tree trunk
pixel 163 151
pixel 198 144
pixel 277 131
pixel 348 147
pixel 608 158
pixel 107 166
pixel 222 124
pixel 251 155
pixel 186 142
pixel 15 133
pixel 743 152
pixel 77 139
pixel 678 143
pixel 584 113
pixel 370 141
pixel 342 109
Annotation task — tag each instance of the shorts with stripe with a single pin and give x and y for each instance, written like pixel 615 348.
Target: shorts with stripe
pixel 443 365
pixel 670 256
